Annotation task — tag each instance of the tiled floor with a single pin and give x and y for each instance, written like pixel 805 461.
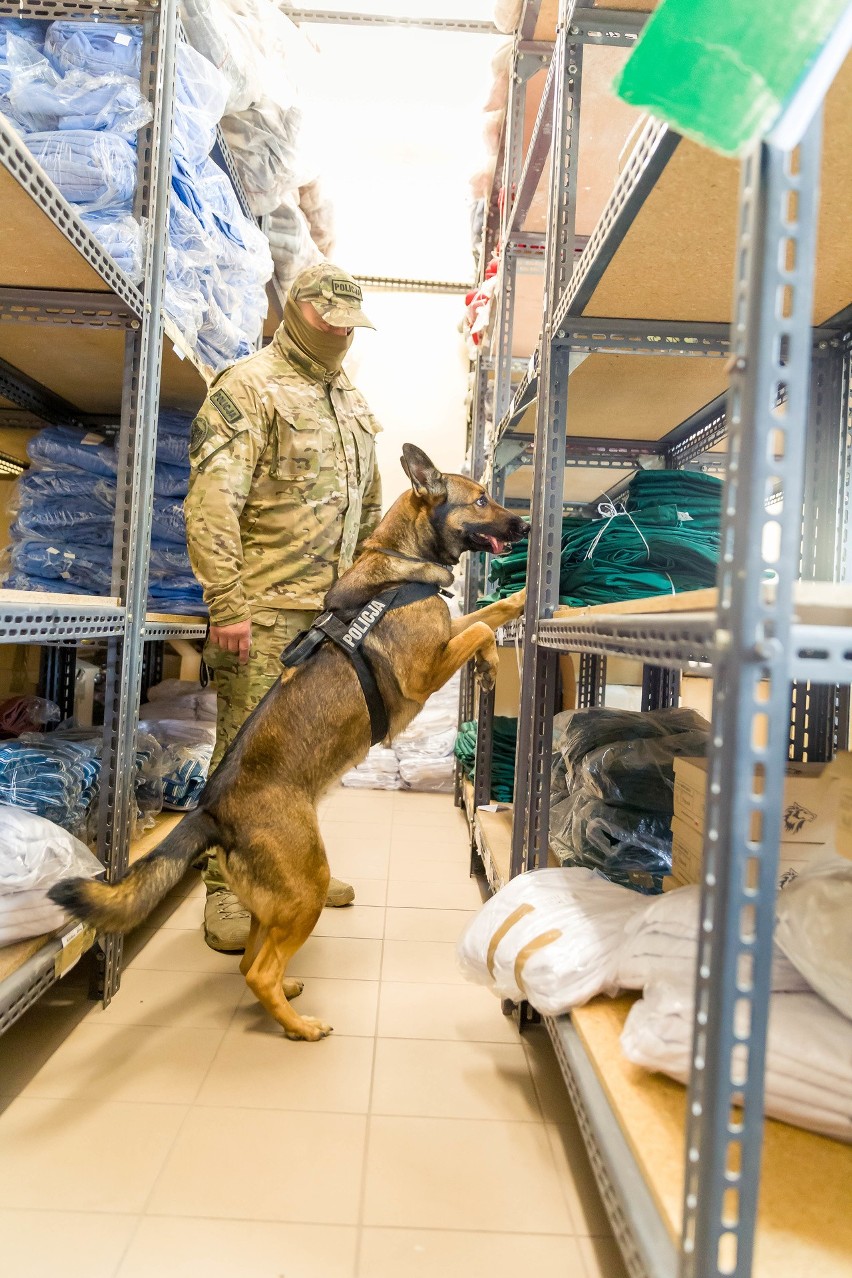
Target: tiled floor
pixel 179 1134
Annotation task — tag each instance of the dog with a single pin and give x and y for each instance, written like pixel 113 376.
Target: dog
pixel 259 809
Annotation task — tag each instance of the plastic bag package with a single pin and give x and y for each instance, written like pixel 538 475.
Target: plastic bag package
pixel 379 771
pixel 568 924
pixel 264 141
pixel 435 775
pixel 319 211
pixel 290 241
pixel 94 170
pixel 183 597
pixel 83 566
pixel 27 714
pixel 180 699
pixel 122 237
pixel 44 99
pixel 171 481
pixel 222 36
pixel 181 298
pixel 47 780
pixel 86 522
pixel 67 446
pixel 814 929
pixel 187 747
pixel 201 94
pixel 507 15
pixel 629 846
pixel 45 481
pixel 96 47
pixel 501 69
pixel 663 938
pixel 586 730
pixel 640 774
pixel 808 1078
pixel 35 854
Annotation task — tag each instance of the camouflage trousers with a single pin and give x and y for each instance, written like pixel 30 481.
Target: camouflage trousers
pixel 240 688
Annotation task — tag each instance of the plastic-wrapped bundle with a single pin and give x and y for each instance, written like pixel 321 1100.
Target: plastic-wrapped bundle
pixel 640 774
pixel 507 15
pixel 85 521
pixel 815 929
pixel 379 771
pixel 222 36
pixel 96 170
pixel 290 241
pixel 121 235
pixel 167 521
pixel 25 581
pixel 36 854
pixel 27 714
pixel 181 297
pixel 187 749
pixel 629 846
pixel 170 481
pixel 82 566
pixel 264 141
pixel 181 595
pixel 243 244
pixel 47 780
pixel 583 731
pixel 319 211
pixel 66 446
pixel 44 99
pixel 219 341
pixel 435 775
pixel 183 699
pixel 201 93
pixel 41 482
pixel 96 47
pixel 501 65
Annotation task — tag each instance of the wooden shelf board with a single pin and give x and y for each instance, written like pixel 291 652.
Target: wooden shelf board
pixel 582 484
pixel 496 831
pixel 815 602
pixel 33 251
pixel 677 262
pixel 804 1223
pixel 164 823
pixel 28 598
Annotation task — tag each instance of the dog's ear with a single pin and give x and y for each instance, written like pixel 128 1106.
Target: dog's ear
pixel 426 480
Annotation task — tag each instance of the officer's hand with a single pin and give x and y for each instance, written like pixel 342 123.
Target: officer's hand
pixel 236 638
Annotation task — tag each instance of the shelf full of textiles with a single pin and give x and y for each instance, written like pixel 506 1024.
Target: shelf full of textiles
pixel 680 447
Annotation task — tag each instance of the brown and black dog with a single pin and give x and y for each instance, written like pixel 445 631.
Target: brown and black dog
pixel 259 808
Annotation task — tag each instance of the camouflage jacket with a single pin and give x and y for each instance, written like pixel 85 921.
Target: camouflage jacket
pixel 284 484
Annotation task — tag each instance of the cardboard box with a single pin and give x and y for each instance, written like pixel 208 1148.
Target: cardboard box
pixel 688 854
pixel 841 770
pixel 811 793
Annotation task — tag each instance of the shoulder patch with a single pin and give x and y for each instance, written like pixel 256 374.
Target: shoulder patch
pixel 226 406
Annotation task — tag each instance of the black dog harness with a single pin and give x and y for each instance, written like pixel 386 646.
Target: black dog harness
pixel 349 637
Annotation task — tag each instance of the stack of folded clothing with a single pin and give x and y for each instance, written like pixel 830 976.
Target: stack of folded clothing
pixel 662 540
pixel 504 743
pixel 612 790
pixel 35 854
pixel 64 506
pixel 72 90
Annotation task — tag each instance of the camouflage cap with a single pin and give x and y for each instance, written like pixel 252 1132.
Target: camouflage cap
pixel 334 295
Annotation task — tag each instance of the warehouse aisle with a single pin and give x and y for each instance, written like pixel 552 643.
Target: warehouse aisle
pixel 422 1138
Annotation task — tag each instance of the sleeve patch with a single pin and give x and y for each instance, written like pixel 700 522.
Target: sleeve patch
pixel 200 431
pixel 227 408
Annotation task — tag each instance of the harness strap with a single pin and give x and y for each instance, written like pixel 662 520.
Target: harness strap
pixel 349 638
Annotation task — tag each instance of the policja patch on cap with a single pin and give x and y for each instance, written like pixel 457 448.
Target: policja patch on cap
pixel 334 295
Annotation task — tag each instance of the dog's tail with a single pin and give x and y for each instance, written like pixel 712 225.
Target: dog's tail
pixel 118 907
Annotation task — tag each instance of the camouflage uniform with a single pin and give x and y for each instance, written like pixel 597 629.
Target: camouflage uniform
pixel 284 487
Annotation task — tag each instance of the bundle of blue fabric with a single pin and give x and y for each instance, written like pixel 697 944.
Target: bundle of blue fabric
pixel 72 90
pixel 64 506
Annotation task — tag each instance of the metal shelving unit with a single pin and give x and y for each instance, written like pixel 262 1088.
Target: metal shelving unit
pixel 761 393
pixel 79 343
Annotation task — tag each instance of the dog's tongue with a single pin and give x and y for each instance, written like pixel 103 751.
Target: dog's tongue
pixel 497 547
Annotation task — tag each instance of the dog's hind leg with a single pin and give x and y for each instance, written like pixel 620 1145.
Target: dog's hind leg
pixel 265 978
pixel 292 987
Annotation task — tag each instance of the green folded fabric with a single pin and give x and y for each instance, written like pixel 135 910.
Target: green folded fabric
pixel 505 738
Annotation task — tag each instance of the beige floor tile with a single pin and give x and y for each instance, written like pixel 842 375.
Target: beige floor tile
pixel 44 1244
pixel 368 891
pixel 365 921
pixel 176 1248
pixel 338 957
pixel 104 1062
pixel 305 1168
pixel 344 836
pixel 453 1080
pixel 602 1258
pixel 438 843
pixel 51 1153
pixel 185 912
pixel 364 863
pixel 405 868
pixel 350 1006
pixel 361 807
pixel 203 1000
pixel 421 961
pixel 178 950
pixel 413 808
pixel 435 1253
pixel 413 924
pixel 547 1076
pixel 578 1180
pixel 437 1173
pixel 267 1071
pixel 465 895
pixel 453 1012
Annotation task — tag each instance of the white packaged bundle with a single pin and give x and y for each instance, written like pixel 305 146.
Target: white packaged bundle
pixel 180 699
pixel 435 775
pixel 379 771
pixel 663 938
pixel 34 855
pixel 551 937
pixel 814 929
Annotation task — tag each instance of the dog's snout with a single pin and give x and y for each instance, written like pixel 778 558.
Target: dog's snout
pixel 521 529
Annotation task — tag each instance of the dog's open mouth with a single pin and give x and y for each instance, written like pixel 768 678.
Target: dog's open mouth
pixel 494 544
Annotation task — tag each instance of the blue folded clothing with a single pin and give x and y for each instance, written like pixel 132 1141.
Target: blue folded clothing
pixel 68 446
pixel 170 481
pixel 121 236
pixel 96 47
pixel 95 170
pixel 86 521
pixel 167 521
pixel 201 95
pixel 44 98
pixel 43 482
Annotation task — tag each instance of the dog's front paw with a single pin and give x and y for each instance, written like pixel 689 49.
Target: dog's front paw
pixel 308 1030
pixel 485 673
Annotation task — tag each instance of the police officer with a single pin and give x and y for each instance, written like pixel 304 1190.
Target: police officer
pixel 284 487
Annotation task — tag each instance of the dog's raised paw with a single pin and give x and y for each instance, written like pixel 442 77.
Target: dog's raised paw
pixel 292 987
pixel 485 674
pixel 309 1030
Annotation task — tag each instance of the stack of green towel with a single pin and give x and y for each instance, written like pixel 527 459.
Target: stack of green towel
pixel 505 737
pixel 662 539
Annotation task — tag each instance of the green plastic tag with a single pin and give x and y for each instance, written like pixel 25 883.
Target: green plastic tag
pixel 722 71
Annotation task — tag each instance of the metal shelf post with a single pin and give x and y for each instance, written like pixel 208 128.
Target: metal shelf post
pixel 771 339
